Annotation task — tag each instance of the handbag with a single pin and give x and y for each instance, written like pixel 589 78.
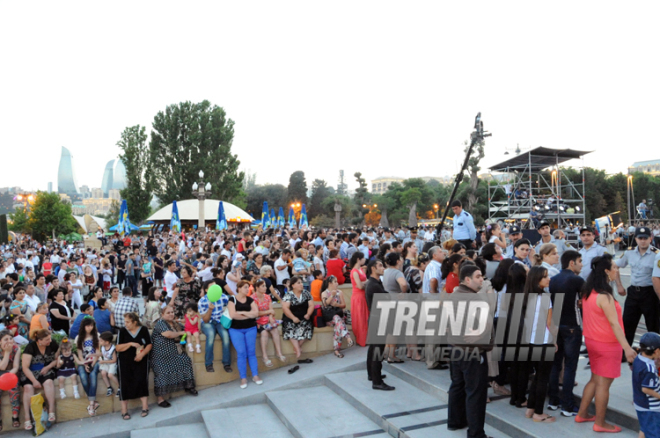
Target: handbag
pixel 329 313
pixel 225 319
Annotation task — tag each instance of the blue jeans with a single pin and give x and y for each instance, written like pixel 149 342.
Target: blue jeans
pixel 649 423
pixel 245 341
pixel 569 341
pixel 88 380
pixel 210 329
pixel 132 283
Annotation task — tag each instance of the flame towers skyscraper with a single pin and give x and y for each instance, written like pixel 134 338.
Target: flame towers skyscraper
pixel 66 177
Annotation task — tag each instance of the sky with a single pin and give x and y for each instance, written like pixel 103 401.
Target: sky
pixel 383 88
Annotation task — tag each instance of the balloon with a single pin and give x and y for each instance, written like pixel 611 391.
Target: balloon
pixel 8 381
pixel 214 293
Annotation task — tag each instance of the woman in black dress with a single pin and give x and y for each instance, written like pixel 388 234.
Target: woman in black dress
pixel 133 347
pixel 61 314
pixel 173 370
pixel 297 306
pixel 38 371
pixel 188 290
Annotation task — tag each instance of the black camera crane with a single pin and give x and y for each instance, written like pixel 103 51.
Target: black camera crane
pixel 477 135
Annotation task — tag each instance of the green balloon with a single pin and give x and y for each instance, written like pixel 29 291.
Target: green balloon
pixel 214 293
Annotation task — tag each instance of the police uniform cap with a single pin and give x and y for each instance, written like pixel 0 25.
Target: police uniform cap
pixel 514 230
pixel 642 232
pixel 586 229
pixel 543 224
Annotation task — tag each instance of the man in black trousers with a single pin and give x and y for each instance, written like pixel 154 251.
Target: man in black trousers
pixel 469 375
pixel 375 352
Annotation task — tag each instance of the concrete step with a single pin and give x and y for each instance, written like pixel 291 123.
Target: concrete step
pixel 318 412
pixel 198 430
pixel 499 413
pixel 244 422
pixel 404 412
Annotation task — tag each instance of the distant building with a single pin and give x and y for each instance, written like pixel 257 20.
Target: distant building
pixel 114 177
pixel 97 206
pixel 114 194
pixel 650 167
pixel 97 193
pixel 50 187
pixel 380 185
pixel 85 192
pixel 65 198
pixel 66 178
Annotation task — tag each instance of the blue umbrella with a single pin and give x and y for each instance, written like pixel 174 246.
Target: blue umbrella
pixel 292 217
pixel 175 221
pixel 265 219
pixel 303 217
pixel 221 221
pixel 281 221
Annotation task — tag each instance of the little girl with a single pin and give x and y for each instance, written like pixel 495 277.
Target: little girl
pixel 108 362
pixel 192 326
pixel 87 344
pixel 66 367
pixel 12 324
pixel 146 268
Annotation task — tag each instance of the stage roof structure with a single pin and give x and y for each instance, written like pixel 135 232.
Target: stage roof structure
pixel 535 189
pixel 539 158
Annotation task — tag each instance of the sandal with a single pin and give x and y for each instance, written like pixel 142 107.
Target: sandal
pixel 282 358
pixel 394 361
pixel 126 416
pixel 51 417
pixel 145 412
pixel 350 342
pixel 268 363
pixel 305 361
pixel 164 404
pixel 91 411
pixel 338 354
pixel 548 419
pixel 96 405
pixel 28 425
pixel 294 369
pixel 15 422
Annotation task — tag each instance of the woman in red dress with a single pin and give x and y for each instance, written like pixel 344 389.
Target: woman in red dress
pixel 359 309
pixel 335 266
pixel 449 271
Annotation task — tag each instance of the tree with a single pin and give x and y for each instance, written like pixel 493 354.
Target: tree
pixel 472 197
pixel 274 194
pixel 189 137
pixel 112 217
pixel 361 193
pixel 135 158
pixel 19 220
pixel 297 191
pixel 385 204
pixel 250 181
pixel 410 198
pixel 320 193
pixel 49 216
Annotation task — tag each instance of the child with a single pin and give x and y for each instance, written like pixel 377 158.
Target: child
pixel 107 277
pixel 12 324
pixel 66 367
pixel 316 285
pixel 646 385
pixel 108 362
pixel 301 268
pixel 146 268
pixel 285 285
pixel 192 321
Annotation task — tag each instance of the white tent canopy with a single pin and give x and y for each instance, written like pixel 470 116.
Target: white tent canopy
pixel 89 223
pixel 189 211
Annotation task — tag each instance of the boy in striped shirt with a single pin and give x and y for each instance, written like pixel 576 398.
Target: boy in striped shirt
pixel 646 385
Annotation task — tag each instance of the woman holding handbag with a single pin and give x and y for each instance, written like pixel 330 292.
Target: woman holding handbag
pixel 243 312
pixel 332 306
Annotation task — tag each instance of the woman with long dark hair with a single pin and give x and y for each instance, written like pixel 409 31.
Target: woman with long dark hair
pixel 605 340
pixel 498 282
pixel 538 280
pixel 359 309
pixel 521 250
pixel 515 284
pixel 449 270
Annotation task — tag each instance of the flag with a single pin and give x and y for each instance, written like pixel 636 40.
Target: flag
pixel 124 224
pixel 303 217
pixel 273 218
pixel 281 221
pixel 175 221
pixel 292 217
pixel 221 221
pixel 265 219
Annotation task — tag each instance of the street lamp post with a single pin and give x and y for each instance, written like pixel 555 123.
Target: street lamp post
pixel 201 191
pixel 436 207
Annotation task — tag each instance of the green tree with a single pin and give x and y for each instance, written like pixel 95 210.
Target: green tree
pixel 362 196
pixel 189 137
pixel 112 217
pixel 49 216
pixel 19 220
pixel 297 190
pixel 410 197
pixel 385 204
pixel 274 194
pixel 472 194
pixel 135 157
pixel 320 193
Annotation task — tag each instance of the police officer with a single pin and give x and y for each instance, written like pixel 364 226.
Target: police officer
pixel 641 299
pixel 515 234
pixel 589 251
pixel 544 231
pixel 464 230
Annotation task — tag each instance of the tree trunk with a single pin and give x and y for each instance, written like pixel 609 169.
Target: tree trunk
pixel 383 219
pixel 412 217
pixel 472 196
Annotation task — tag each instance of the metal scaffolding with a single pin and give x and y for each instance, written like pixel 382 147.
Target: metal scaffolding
pixel 534 188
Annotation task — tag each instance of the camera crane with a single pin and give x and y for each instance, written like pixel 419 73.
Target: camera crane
pixel 475 137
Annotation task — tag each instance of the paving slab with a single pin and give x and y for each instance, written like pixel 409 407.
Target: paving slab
pixel 187 430
pixel 244 422
pixel 319 413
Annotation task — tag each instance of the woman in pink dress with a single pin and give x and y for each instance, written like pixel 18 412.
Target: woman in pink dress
pixel 359 309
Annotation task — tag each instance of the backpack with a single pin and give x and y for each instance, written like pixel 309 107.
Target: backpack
pixel 317 317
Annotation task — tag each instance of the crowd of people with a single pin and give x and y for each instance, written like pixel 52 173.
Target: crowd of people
pixel 74 311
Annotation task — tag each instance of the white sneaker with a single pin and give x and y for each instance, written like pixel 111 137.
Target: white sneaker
pixel 190 348
pixel 62 394
pixel 199 349
pixel 76 394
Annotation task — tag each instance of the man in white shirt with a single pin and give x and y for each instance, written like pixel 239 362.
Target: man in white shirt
pixel 226 249
pixel 55 259
pixel 170 278
pixel 31 298
pixel 206 274
pixel 281 267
